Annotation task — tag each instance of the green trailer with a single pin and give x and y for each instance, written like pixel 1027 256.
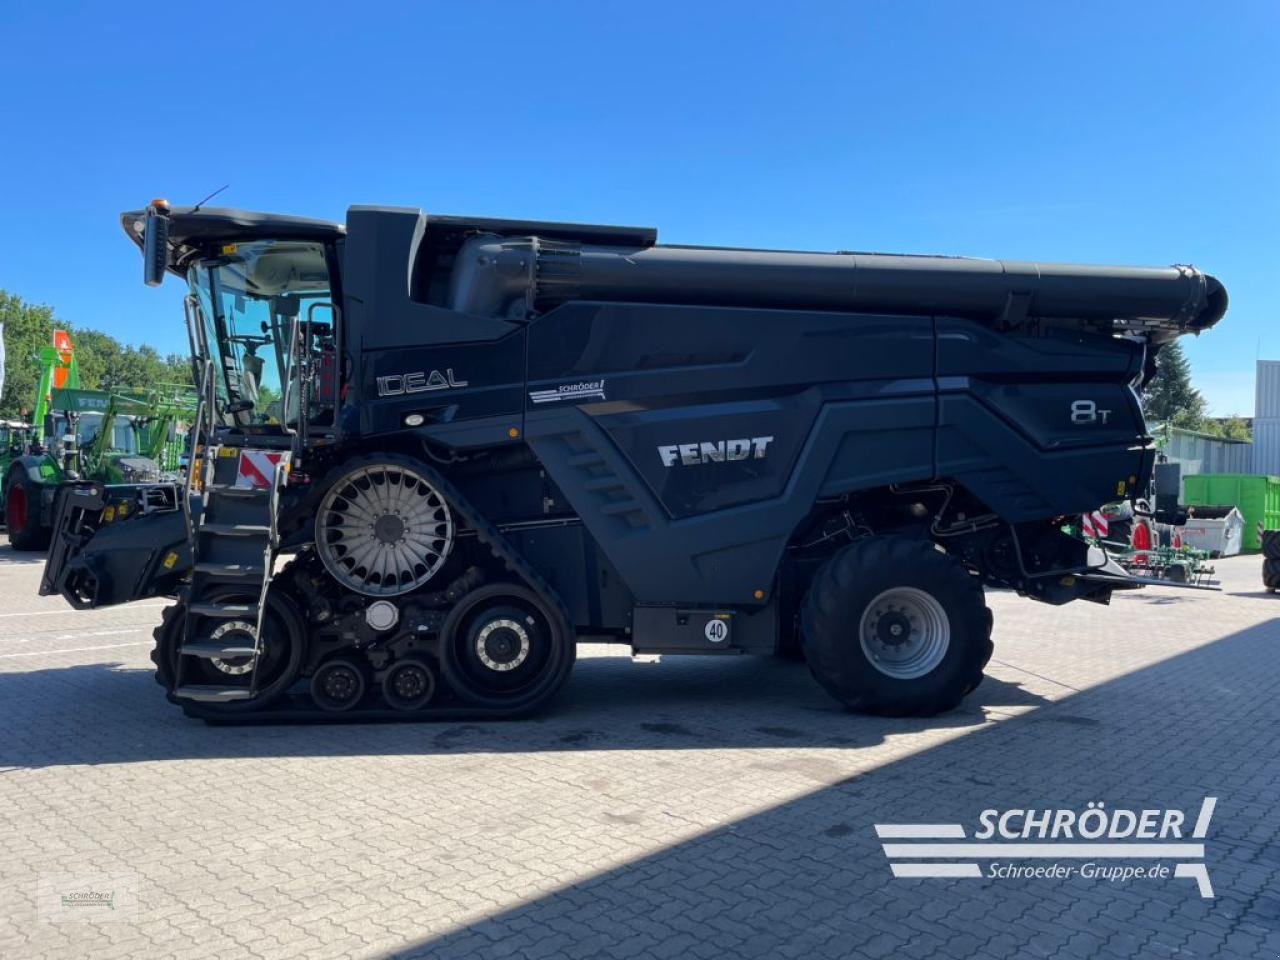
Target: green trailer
pixel 1257 498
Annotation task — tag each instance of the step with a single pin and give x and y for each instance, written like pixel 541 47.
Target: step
pixel 235 571
pixel 211 649
pixel 252 493
pixel 209 694
pixel 604 483
pixel 234 529
pixel 226 611
pixel 588 459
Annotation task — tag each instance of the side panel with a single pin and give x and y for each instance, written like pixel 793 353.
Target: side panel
pixel 724 556
pixel 446 384
pixel 693 466
pixel 653 422
pixel 414 357
pixel 1039 426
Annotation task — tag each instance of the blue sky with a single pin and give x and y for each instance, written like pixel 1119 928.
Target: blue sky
pixel 1107 132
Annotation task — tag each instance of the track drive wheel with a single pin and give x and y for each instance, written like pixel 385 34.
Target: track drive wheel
pixel 283 646
pixel 503 647
pixel 894 626
pixel 382 528
pixel 22 512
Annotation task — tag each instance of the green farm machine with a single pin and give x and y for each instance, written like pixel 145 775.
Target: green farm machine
pixel 119 436
pixel 15 440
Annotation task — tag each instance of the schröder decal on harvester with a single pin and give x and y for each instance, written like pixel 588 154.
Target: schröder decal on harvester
pixel 1117 844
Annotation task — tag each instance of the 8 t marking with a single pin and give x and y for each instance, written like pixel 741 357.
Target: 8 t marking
pixel 1086 411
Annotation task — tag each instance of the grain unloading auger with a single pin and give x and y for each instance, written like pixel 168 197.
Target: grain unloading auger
pixel 479 441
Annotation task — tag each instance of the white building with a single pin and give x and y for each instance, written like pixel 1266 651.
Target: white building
pixel 1266 419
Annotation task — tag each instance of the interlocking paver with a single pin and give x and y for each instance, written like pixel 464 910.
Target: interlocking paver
pixel 689 808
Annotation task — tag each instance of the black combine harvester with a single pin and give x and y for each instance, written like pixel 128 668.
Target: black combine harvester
pixel 480 441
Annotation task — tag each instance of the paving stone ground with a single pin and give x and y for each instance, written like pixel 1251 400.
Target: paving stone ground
pixel 686 808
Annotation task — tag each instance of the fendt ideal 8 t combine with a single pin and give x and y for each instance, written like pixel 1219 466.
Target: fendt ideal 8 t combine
pixel 480 441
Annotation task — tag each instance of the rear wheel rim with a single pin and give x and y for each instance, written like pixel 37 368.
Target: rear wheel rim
pixel 904 633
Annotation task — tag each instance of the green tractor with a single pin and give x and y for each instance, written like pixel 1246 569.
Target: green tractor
pixel 15 439
pixel 127 436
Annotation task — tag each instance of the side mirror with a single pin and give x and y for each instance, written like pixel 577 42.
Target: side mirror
pixel 155 243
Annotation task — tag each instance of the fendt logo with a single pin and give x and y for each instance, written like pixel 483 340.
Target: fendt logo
pixel 714 451
pixel 419 382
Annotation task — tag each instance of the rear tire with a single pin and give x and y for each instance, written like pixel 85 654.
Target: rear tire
pixel 1271 573
pixel 22 512
pixel 895 627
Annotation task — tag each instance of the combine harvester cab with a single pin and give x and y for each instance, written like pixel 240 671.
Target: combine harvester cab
pixel 433 452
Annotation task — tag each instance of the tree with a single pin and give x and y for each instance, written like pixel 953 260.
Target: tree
pixel 1169 396
pixel 1229 428
pixel 105 363
pixel 27 328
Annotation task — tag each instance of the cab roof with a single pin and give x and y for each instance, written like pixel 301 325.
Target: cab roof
pixel 190 228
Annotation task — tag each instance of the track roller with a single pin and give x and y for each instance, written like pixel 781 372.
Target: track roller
pixel 409 685
pixel 338 685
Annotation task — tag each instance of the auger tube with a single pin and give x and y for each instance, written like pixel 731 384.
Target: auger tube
pixel 549 272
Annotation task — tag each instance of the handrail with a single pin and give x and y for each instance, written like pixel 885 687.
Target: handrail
pixel 288 380
pixel 206 377
pixel 268 560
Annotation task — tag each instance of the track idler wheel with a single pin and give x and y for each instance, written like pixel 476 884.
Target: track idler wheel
pixel 503 647
pixel 283 646
pixel 338 685
pixel 409 685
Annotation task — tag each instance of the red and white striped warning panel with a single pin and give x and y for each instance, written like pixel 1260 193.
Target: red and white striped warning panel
pixel 1094 524
pixel 257 467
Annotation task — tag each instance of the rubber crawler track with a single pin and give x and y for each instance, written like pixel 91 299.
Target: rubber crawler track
pixel 299 708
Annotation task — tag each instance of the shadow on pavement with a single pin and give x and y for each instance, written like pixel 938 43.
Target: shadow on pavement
pixel 808 878
pixel 8 555
pixel 611 703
